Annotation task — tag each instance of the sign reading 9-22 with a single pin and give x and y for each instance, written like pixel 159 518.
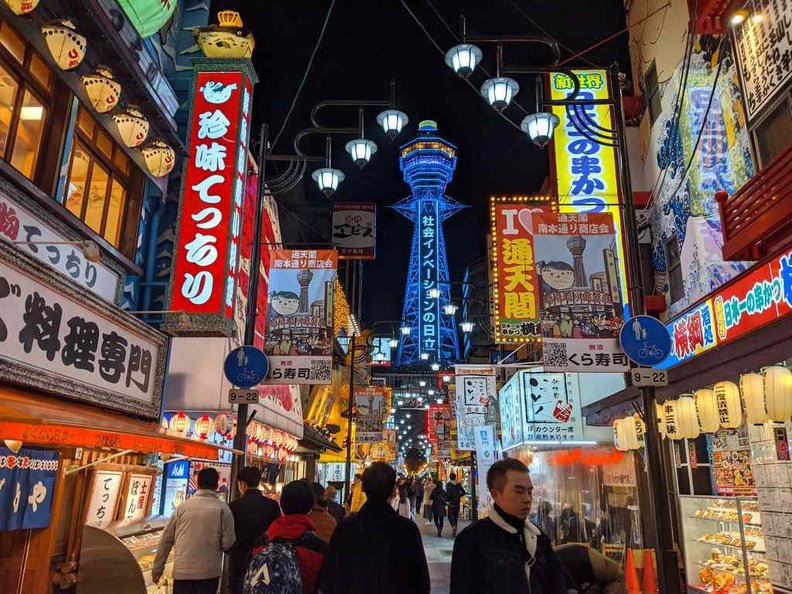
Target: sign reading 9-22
pixel 205 269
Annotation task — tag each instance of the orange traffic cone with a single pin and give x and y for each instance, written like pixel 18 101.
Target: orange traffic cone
pixel 649 575
pixel 631 575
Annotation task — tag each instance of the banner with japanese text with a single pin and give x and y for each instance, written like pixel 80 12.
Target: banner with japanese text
pixel 355 230
pixel 299 342
pixel 373 407
pixel 438 424
pixel 552 411
pixel 486 455
pixel 515 282
pixel 27 483
pixel 475 390
pixel 581 303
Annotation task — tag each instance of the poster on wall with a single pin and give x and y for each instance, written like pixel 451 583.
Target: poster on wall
pixel 581 305
pixel 475 390
pixel 731 463
pixel 299 341
pixel 511 413
pixel 372 409
pixel 438 424
pixel 552 407
pixel 355 230
pixel 224 470
pixel 27 484
pixel 177 476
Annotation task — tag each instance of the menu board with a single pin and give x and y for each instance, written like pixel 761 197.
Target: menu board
pixel 731 463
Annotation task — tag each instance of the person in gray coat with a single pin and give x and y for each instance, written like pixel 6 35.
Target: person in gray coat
pixel 199 532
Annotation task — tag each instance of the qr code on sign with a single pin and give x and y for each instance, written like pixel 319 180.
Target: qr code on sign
pixel 321 370
pixel 555 354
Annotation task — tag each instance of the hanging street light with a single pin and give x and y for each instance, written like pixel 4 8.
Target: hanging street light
pixel 435 366
pixel 361 150
pixel 463 59
pixel 393 343
pixel 434 293
pixel 500 91
pixel 446 378
pixel 424 356
pixel 450 309
pixel 422 383
pixel 540 127
pixel 392 121
pixel 467 327
pixel 328 179
pixel 405 330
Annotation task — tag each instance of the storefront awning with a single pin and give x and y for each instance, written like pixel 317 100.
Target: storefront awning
pixel 42 420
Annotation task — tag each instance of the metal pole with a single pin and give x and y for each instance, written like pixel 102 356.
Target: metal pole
pixel 667 567
pixel 240 439
pixel 348 470
pixel 473 486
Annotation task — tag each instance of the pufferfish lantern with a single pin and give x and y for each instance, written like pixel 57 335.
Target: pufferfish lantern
pixel 159 157
pixel 226 39
pixel 66 45
pixel 132 125
pixel 20 7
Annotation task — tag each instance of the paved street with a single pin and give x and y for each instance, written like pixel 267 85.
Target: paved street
pixel 438 554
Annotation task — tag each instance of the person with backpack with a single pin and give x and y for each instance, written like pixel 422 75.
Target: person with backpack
pixel 290 557
pixel 455 493
pixel 439 501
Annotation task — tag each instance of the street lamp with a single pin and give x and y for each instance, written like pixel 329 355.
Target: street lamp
pixel 361 150
pixel 422 383
pixel 450 309
pixel 431 392
pixel 392 121
pixel 434 293
pixel 393 343
pixel 435 366
pixel 500 91
pixel 424 356
pixel 328 179
pixel 467 327
pixel 463 59
pixel 446 378
pixel 539 127
pixel 405 330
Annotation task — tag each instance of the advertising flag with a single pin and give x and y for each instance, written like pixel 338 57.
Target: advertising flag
pixel 299 340
pixel 486 455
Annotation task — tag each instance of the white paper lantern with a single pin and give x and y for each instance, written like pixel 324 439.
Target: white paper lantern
pixel 132 126
pixel 729 406
pixel 619 437
pixel 778 392
pixel 180 423
pixel 753 394
pixel 688 417
pixel 102 88
pixel 159 157
pixel 707 407
pixel 20 7
pixel 634 430
pixel 66 45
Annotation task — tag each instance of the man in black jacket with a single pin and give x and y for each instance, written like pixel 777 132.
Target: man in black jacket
pixel 505 553
pixel 253 514
pixel 376 550
pixel 455 493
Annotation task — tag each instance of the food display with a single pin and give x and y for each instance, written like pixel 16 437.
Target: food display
pixel 142 542
pixel 724 546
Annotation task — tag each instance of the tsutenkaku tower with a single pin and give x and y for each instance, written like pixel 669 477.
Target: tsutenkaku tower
pixel 428 163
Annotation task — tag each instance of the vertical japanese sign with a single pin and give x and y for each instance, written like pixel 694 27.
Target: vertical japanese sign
pixel 580 315
pixel 475 389
pixel 429 316
pixel 372 408
pixel 299 341
pixel 552 407
pixel 203 284
pixel 27 482
pixel 138 492
pixel 511 413
pixel 438 424
pixel 514 276
pixel 104 496
pixel 486 455
pixel 585 171
pixel 355 230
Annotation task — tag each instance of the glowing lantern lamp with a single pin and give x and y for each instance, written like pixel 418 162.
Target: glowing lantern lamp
pixel 778 392
pixel 328 179
pixel 65 44
pixel 634 430
pixel 707 407
pixel 160 158
pixel 180 423
pixel 671 420
pixel 539 127
pixel 463 59
pixel 102 88
pixel 132 126
pixel 752 389
pixel 20 7
pixel 500 91
pixel 619 437
pixel 392 121
pixel 361 150
pixel 204 426
pixel 661 429
pixel 729 406
pixel 222 424
pixel 687 417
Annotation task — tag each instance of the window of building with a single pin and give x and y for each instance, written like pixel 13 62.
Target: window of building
pixel 652 92
pixel 100 181
pixel 676 288
pixel 774 133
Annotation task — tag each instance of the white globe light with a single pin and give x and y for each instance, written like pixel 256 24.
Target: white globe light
pixel 394 342
pixel 463 59
pixel 439 401
pixel 467 327
pixel 422 383
pixel 540 127
pixel 446 378
pixel 434 293
pixel 361 150
pixel 450 309
pixel 328 179
pixel 392 121
pixel 435 367
pixel 431 392
pixel 405 330
pixel 424 356
pixel 500 91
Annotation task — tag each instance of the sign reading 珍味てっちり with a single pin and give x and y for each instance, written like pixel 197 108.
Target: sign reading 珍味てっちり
pixel 27 484
pixel 203 283
pixel 355 230
pixel 585 177
pixel 759 297
pixel 515 281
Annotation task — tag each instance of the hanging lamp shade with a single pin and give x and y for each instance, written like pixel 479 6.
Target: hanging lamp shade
pixel 500 91
pixel 328 179
pixel 778 392
pixel 753 395
pixel 463 59
pixel 148 16
pixel 729 406
pixel 132 126
pixel 634 430
pixel 619 435
pixel 392 121
pixel 361 150
pixel 687 417
pixel 159 157
pixel 20 7
pixel 540 127
pixel 707 407
pixel 204 426
pixel 66 45
pixel 102 88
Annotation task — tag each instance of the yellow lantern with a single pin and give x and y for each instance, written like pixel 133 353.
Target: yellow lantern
pixel 132 126
pixel 687 417
pixel 159 157
pixel 753 394
pixel 619 437
pixel 204 426
pixel 729 406
pixel 20 7
pixel 707 407
pixel 102 88
pixel 180 423
pixel 65 44
pixel 778 392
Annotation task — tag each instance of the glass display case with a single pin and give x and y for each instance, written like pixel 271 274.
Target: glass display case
pixel 724 545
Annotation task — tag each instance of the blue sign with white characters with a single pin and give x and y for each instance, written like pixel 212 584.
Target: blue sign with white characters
pixel 645 340
pixel 27 482
pixel 246 366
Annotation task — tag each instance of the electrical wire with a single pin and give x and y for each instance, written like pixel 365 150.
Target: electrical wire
pixel 307 71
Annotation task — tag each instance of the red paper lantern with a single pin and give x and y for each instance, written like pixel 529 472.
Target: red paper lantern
pixel 204 426
pixel 222 424
pixel 251 447
pixel 180 423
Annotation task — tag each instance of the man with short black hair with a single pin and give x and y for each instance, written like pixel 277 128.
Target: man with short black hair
pixel 505 553
pixel 253 514
pixel 455 493
pixel 199 531
pixel 376 550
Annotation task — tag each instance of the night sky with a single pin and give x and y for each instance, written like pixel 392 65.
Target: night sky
pixel 367 43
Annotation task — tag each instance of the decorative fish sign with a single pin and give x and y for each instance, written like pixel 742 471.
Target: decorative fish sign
pixel 216 92
pixel 227 39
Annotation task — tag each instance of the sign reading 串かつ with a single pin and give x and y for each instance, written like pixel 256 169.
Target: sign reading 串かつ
pixel 355 230
pixel 299 342
pixel 205 269
pixel 585 171
pixel 27 483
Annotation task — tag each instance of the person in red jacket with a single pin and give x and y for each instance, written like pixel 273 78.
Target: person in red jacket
pixel 297 500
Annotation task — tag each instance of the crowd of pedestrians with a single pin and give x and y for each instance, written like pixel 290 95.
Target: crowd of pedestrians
pixel 310 544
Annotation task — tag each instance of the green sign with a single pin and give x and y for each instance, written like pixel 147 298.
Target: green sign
pixel 148 16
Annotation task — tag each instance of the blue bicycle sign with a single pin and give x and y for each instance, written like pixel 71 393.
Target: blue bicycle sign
pixel 246 366
pixel 645 340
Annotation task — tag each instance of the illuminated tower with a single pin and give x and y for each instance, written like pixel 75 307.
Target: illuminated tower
pixel 428 163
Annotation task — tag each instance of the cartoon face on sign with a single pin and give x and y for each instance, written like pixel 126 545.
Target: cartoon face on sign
pixel 285 303
pixel 557 275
